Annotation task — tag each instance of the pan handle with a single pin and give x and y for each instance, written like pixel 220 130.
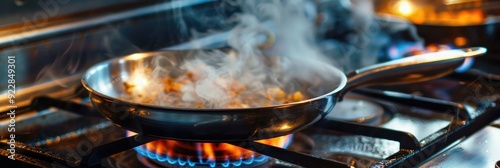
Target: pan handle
pixel 411 69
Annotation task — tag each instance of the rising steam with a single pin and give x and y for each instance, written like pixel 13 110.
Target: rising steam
pixel 290 63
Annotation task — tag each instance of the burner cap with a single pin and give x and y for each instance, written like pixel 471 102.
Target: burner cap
pixel 357 110
pixel 155 163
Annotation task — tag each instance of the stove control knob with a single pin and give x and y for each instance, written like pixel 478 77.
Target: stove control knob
pixel 497 165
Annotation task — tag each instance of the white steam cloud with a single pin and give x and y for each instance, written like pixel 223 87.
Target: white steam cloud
pixel 290 63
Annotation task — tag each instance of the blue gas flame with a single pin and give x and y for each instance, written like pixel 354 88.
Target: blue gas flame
pixel 204 162
pixel 163 158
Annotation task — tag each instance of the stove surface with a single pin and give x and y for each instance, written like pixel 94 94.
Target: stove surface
pixel 72 136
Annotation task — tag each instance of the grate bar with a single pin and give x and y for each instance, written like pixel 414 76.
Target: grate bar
pixel 443 106
pixel 297 158
pixel 456 132
pixel 105 150
pixel 406 140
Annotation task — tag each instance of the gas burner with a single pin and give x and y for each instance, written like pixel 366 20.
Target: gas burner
pixel 130 158
pixel 173 153
pixel 155 163
pixel 150 158
pixel 359 110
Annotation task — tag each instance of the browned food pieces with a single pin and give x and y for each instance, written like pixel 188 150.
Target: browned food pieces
pixel 297 96
pixel 128 87
pixel 172 85
pixel 275 93
pixel 236 87
pixel 241 95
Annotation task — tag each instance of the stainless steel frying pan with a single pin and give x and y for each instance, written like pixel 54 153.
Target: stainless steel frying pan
pixel 104 82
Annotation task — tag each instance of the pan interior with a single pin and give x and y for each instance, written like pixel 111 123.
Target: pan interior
pixel 107 78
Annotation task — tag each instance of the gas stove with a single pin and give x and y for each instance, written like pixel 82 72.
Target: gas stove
pixel 444 122
pixel 448 122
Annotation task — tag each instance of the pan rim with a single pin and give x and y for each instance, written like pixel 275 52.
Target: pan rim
pixel 93 69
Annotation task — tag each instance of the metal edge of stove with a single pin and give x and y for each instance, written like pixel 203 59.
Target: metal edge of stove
pixel 51 116
pixel 15 37
pixel 65 47
pixel 57 88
